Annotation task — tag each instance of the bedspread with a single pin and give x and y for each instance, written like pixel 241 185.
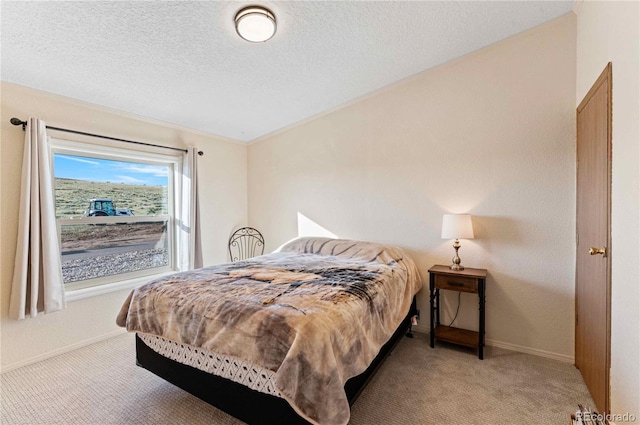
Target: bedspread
pixel 316 313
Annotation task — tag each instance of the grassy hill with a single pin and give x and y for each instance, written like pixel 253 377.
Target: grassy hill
pixel 72 197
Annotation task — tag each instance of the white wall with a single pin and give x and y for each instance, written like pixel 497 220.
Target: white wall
pixel 223 198
pixel 609 31
pixel 491 134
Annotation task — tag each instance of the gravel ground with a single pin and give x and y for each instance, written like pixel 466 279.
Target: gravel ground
pixel 107 265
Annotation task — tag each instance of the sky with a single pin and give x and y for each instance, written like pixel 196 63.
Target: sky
pixel 104 170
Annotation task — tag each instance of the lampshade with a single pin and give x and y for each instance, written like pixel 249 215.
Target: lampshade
pixel 457 226
pixel 255 23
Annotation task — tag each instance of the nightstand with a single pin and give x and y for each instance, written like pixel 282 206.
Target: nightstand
pixel 467 280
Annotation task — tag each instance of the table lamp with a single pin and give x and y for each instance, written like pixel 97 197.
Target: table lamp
pixel 456 226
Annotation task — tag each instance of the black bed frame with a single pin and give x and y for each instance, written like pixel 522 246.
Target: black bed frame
pixel 250 406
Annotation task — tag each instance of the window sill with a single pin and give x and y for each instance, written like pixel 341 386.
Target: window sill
pixel 93 291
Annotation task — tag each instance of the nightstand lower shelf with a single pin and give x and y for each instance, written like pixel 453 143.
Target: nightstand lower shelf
pixel 457 336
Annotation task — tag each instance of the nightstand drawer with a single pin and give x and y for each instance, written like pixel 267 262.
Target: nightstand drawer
pixel 456 283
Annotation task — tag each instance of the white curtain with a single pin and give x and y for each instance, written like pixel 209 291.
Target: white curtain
pixel 190 238
pixel 37 275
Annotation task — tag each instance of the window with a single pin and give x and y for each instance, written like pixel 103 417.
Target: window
pixel 115 213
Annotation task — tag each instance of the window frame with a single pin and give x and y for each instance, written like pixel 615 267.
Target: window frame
pixel 128 280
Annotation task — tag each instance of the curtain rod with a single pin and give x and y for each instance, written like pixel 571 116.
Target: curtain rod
pixel 18 121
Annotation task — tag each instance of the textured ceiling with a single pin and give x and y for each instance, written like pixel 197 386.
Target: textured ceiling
pixel 181 62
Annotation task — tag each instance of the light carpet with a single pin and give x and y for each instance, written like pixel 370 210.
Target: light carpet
pixel 100 384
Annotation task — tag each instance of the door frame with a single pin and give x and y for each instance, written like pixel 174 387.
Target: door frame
pixel 605 76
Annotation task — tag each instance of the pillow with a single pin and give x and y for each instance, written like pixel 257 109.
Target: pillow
pixel 345 248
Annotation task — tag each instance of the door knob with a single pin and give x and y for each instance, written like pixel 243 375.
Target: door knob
pixel 595 251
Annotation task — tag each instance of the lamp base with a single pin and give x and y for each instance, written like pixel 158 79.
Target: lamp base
pixel 455 261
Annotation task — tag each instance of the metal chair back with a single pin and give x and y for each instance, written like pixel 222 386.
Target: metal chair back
pixel 244 243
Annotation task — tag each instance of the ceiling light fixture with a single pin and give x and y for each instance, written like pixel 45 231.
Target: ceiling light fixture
pixel 255 23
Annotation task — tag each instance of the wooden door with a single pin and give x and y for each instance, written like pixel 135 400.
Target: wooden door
pixel 593 239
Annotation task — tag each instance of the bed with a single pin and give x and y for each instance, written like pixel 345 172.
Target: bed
pixel 287 337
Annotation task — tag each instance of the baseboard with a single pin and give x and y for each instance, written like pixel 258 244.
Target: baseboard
pixel 417 328
pixel 420 328
pixel 528 350
pixel 62 350
pixel 513 347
